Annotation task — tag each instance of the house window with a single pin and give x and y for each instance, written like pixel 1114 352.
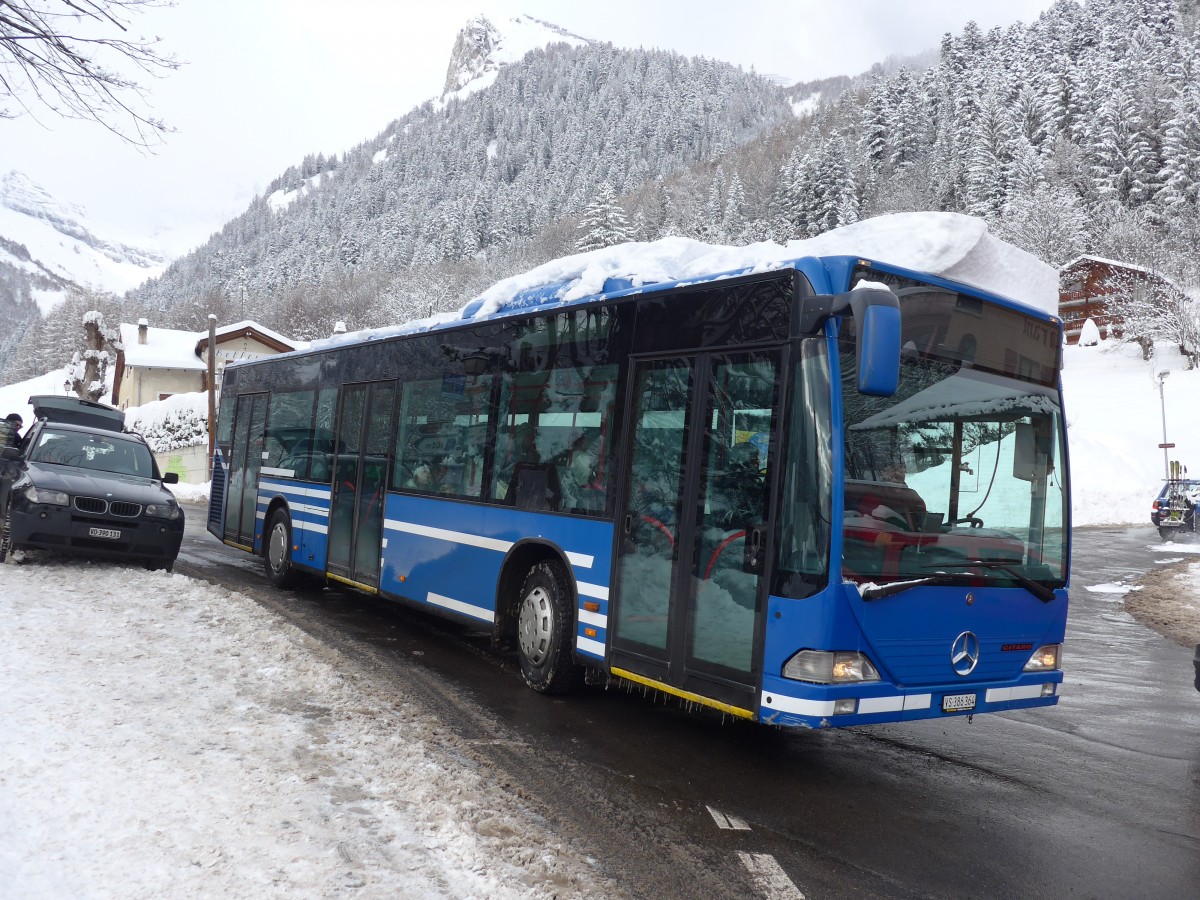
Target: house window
pixel 164 396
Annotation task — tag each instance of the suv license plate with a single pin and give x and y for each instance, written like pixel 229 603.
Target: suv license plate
pixel 958 702
pixel 110 533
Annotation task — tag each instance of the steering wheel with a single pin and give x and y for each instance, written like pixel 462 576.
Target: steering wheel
pixel 975 522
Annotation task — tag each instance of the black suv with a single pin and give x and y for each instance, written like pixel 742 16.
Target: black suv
pixel 80 484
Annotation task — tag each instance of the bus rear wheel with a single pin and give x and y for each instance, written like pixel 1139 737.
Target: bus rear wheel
pixel 544 618
pixel 277 558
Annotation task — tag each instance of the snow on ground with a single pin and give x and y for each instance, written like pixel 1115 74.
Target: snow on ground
pixel 166 738
pixel 1115 424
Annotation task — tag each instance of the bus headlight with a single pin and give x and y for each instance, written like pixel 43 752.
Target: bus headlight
pixel 1045 658
pixel 41 495
pixel 830 667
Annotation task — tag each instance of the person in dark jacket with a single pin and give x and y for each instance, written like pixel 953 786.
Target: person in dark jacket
pixel 11 429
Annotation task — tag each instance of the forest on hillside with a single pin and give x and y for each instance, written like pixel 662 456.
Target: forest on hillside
pixel 1077 133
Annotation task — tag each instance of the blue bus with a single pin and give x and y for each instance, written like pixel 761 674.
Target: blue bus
pixel 829 491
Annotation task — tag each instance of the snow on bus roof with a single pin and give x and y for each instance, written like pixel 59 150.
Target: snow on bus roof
pixel 953 246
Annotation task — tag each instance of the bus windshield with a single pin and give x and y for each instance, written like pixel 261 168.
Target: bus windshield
pixel 961 472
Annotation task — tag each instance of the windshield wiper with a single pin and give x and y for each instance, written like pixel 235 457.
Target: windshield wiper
pixel 877 591
pixel 1043 593
pixel 1040 591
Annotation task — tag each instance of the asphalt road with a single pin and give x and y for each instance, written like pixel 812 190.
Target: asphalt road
pixel 1097 797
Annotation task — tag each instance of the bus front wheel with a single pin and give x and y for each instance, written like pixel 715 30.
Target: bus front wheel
pixel 544 620
pixel 277 559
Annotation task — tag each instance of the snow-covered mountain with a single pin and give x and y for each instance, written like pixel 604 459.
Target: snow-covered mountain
pixel 482 49
pixel 63 245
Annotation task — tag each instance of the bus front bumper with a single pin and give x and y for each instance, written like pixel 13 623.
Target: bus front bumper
pixel 799 705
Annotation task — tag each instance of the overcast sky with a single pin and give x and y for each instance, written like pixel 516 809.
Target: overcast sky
pixel 268 81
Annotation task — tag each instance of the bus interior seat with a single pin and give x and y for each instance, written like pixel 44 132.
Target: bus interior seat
pixel 899 497
pixel 534 486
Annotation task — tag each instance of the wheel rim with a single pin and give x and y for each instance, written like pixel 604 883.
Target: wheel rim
pixel 277 548
pixel 536 626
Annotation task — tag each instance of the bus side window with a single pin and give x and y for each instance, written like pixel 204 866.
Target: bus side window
pixel 289 432
pixel 440 433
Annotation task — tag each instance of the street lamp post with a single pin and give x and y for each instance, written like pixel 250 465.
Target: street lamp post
pixel 1162 376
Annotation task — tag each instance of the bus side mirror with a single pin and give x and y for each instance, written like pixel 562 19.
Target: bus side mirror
pixel 877 323
pixel 1031 456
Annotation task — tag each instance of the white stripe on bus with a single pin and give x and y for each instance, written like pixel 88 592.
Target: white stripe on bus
pixel 591 618
pixel 587 645
pixel 284 487
pixel 476 612
pixel 599 591
pixel 1024 692
pixel 898 703
pixel 582 560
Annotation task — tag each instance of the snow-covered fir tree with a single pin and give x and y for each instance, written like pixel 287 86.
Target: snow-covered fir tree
pixel 1075 133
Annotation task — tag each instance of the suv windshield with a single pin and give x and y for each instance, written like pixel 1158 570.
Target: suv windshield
pixel 102 452
pixel 961 471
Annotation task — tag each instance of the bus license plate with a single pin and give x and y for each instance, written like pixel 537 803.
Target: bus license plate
pixel 958 702
pixel 110 533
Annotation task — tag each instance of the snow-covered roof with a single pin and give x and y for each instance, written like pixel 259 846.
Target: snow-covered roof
pixel 239 327
pixel 1107 262
pixel 167 348
pixel 948 245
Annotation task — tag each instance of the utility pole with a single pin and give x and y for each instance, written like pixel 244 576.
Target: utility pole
pixel 212 391
pixel 1162 376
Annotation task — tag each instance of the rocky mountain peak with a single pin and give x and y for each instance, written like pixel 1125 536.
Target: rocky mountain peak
pixel 482 47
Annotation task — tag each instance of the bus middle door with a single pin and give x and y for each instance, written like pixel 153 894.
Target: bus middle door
pixel 694 522
pixel 360 474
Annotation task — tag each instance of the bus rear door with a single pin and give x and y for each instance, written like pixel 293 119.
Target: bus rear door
pixel 694 522
pixel 245 459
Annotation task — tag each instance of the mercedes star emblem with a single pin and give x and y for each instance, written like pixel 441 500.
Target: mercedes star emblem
pixel 964 653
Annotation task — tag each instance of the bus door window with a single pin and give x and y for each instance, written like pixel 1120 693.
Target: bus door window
pixel 731 517
pixel 345 474
pixel 368 531
pixel 662 396
pixel 364 441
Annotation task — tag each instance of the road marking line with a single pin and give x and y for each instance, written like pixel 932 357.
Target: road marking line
pixel 730 823
pixel 769 877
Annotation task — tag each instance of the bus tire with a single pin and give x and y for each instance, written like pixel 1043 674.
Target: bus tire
pixel 544 619
pixel 277 553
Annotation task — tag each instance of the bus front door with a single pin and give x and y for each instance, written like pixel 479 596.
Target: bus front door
pixel 364 427
pixel 245 459
pixel 694 523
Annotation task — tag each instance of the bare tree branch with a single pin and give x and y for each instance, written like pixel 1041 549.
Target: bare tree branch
pixel 61 55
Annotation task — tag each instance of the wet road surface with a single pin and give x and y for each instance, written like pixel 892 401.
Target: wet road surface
pixel 1097 797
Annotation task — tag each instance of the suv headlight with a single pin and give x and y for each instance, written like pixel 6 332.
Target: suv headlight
pixel 41 495
pixel 1045 658
pixel 162 511
pixel 830 667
